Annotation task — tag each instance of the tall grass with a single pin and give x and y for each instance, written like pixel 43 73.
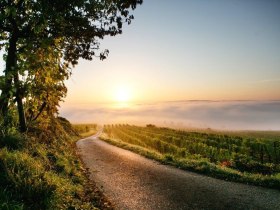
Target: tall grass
pixel 7 202
pixel 42 171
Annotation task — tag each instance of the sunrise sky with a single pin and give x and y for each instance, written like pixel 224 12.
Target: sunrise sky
pixel 218 50
pixel 187 50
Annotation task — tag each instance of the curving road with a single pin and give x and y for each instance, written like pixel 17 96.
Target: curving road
pixel 131 181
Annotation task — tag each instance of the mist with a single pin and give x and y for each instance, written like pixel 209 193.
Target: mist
pixel 225 115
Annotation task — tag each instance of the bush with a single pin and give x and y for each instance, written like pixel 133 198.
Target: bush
pixel 11 141
pixel 150 126
pixel 168 157
pixel 245 164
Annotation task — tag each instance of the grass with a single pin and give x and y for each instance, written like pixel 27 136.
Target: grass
pixel 41 170
pixel 7 202
pixel 252 159
pixel 85 130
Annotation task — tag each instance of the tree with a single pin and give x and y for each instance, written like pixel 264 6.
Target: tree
pixel 44 83
pixel 71 29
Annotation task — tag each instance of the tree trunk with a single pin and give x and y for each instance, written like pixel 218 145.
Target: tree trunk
pixel 10 67
pixel 10 72
pixel 21 114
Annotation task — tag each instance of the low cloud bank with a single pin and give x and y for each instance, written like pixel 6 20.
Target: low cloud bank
pixel 236 115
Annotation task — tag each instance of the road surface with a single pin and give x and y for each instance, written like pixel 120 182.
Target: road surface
pixel 131 181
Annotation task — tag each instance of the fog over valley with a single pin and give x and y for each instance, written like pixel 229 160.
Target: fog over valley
pixel 225 115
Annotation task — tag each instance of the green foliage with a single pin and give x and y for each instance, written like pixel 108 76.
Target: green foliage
pixel 246 159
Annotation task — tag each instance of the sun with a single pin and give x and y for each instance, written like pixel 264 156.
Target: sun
pixel 122 94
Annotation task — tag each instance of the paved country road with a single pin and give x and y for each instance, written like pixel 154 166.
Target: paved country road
pixel 131 181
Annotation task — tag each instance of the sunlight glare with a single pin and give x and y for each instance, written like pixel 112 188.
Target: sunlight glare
pixel 122 94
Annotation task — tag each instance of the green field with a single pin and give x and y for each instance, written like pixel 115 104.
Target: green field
pixel 248 156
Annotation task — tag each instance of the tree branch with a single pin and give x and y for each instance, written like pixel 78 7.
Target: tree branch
pixel 40 111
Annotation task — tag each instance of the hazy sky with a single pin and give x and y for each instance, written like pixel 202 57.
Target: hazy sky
pixel 186 50
pixel 193 49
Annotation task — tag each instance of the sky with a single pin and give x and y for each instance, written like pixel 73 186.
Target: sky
pixel 185 63
pixel 187 50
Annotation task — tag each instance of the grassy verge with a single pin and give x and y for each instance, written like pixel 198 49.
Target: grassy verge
pixel 85 130
pixel 41 170
pixel 202 166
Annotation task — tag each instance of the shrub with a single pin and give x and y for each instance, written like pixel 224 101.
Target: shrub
pixel 168 157
pixel 11 141
pixel 150 126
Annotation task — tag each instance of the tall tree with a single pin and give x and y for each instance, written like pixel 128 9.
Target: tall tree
pixel 73 28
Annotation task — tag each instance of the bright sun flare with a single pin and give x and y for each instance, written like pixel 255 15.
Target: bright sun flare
pixel 122 94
